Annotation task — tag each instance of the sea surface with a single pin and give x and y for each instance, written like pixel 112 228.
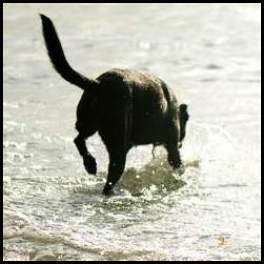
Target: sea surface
pixel 53 210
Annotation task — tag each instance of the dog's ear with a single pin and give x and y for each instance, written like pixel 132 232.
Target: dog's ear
pixel 183 106
pixel 184 117
pixel 183 109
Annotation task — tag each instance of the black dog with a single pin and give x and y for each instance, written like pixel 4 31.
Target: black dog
pixel 126 107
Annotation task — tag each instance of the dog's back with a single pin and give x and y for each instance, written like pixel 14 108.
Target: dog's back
pixel 149 100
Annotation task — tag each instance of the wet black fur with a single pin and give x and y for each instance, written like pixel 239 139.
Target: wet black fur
pixel 127 108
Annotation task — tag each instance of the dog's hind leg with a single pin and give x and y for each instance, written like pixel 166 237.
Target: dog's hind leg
pixel 89 161
pixel 118 144
pixel 115 170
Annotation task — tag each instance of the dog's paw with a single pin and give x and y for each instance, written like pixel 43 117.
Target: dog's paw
pixel 180 170
pixel 175 163
pixel 108 190
pixel 90 165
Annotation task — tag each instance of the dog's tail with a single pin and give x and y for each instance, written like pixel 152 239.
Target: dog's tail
pixel 58 59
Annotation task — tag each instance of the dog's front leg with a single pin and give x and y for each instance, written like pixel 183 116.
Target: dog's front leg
pixel 172 147
pixel 173 156
pixel 88 160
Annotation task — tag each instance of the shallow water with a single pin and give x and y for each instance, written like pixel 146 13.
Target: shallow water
pixel 210 55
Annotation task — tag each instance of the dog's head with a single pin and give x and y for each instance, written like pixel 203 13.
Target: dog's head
pixel 184 117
